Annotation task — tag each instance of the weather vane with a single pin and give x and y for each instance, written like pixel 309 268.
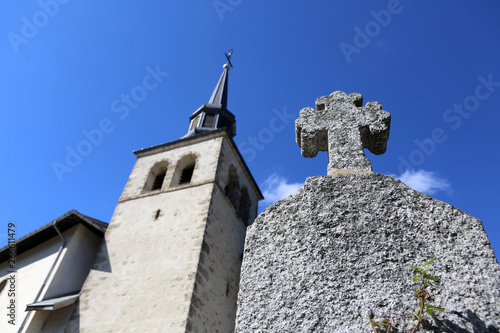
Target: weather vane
pixel 228 56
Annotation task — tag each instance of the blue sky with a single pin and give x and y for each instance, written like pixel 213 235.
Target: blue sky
pixel 102 79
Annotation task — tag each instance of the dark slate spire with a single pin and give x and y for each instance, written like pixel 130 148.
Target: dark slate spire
pixel 214 115
pixel 219 96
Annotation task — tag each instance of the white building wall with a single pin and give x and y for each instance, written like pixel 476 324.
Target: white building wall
pixel 145 271
pixel 34 265
pixel 32 269
pixel 148 274
pixel 213 303
pixel 229 157
pixel 68 277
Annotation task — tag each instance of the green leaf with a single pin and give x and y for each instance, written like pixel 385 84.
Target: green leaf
pixel 432 277
pixel 429 261
pixel 416 313
pixel 418 269
pixel 437 308
pixel 429 311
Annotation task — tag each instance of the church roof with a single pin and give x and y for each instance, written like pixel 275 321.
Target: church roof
pixel 46 232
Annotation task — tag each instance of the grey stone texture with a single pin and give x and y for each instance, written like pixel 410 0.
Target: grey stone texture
pixel 339 252
pixel 341 125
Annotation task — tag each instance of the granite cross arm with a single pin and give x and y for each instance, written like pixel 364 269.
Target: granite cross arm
pixel 343 126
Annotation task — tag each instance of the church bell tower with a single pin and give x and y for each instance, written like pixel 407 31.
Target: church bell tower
pixel 171 257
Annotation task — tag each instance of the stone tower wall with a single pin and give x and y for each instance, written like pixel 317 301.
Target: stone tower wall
pixel 213 304
pixel 144 274
pixel 171 257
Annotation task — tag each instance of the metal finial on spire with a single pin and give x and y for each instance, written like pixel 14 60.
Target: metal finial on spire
pixel 228 56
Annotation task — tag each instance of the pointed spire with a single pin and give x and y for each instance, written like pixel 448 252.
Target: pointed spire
pixel 214 115
pixel 219 96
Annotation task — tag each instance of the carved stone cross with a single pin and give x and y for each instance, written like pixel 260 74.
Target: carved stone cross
pixel 341 125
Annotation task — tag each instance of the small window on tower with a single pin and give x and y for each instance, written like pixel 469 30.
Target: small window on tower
pixel 187 174
pixel 209 120
pixel 158 181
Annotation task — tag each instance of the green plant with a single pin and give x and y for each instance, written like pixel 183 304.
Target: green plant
pixel 386 322
pixel 424 300
pixel 423 296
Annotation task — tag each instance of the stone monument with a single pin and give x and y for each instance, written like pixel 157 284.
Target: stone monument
pixel 341 125
pixel 338 253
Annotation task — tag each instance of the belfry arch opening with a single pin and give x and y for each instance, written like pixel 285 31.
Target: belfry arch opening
pixel 156 177
pixel 184 170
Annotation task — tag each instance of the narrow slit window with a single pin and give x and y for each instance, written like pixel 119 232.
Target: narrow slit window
pixel 186 175
pixel 209 120
pixel 244 207
pixel 158 181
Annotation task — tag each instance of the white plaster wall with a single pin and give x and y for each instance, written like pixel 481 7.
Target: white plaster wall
pixel 144 274
pixel 228 158
pixel 74 267
pixel 68 276
pixel 32 268
pixel 145 270
pixel 213 307
pixel 57 320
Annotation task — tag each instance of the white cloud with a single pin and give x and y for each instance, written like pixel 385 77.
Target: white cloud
pixel 276 187
pixel 424 181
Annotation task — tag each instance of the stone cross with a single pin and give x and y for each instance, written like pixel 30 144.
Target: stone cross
pixel 341 125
